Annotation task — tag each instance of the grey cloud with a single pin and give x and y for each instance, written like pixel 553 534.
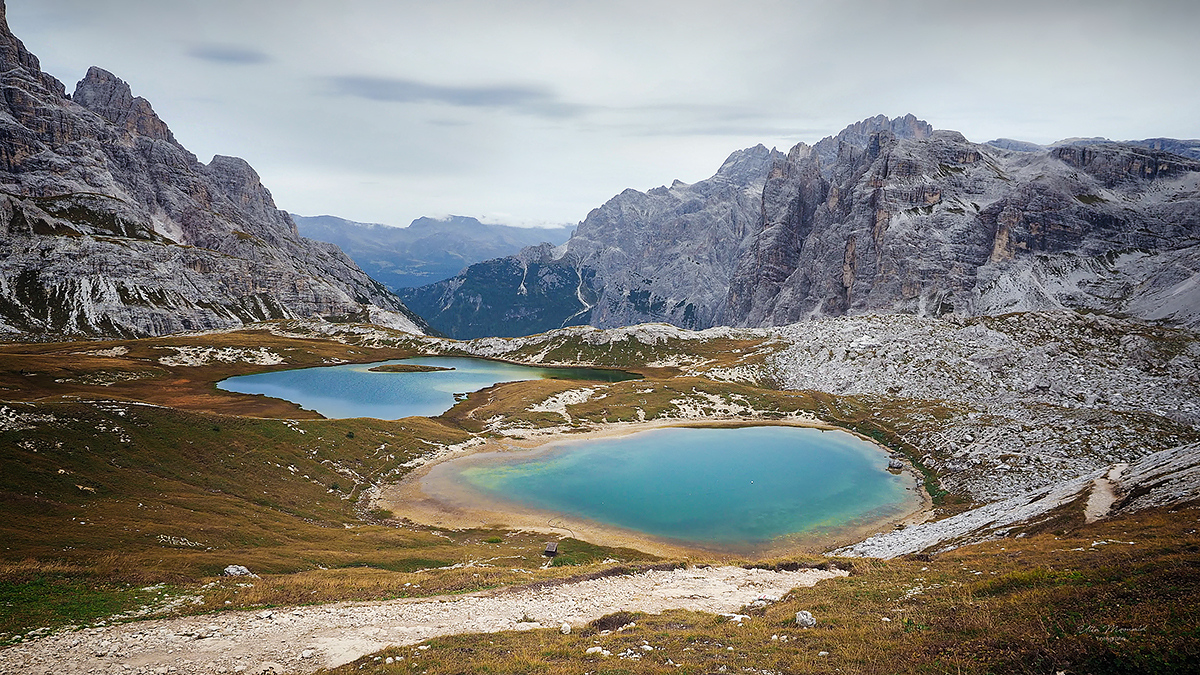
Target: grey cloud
pixel 620 102
pixel 710 120
pixel 528 100
pixel 229 54
pixel 765 129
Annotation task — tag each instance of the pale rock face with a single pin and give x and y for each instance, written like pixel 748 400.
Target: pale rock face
pixel 663 255
pixel 890 216
pixel 111 98
pixel 110 227
pixel 933 224
pixel 666 254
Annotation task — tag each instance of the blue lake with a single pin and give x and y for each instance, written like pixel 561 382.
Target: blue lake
pixel 353 390
pixel 726 488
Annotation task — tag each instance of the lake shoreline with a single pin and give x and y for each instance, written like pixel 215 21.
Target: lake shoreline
pixel 425 497
pixel 392 389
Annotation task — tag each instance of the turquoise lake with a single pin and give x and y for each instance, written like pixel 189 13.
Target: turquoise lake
pixel 726 488
pixel 352 390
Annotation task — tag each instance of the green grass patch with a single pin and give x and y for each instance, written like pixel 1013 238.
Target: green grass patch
pixel 575 552
pixel 49 601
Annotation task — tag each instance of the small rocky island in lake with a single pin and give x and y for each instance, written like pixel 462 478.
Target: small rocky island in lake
pixel 405 368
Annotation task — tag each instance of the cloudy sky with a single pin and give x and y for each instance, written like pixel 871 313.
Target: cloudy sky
pixel 532 112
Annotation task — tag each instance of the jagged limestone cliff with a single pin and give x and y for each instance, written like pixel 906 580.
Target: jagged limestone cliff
pixel 661 255
pixel 935 224
pixel 110 227
pixel 890 215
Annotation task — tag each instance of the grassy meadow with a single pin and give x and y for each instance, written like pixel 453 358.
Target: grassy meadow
pixel 130 482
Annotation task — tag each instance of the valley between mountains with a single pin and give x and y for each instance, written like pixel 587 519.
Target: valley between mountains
pixel 1012 325
pixel 143 483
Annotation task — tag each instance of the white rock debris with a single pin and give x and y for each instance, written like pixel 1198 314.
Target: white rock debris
pixel 239 571
pixel 200 356
pixel 12 419
pixel 1033 399
pixel 749 374
pixel 558 403
pixel 1163 478
pixel 112 351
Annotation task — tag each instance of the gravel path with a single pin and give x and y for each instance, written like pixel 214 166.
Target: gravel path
pixel 302 639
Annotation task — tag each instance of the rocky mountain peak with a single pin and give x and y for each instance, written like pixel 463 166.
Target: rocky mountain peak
pixel 907 126
pixel 662 255
pixel 110 227
pixel 110 97
pixel 867 136
pixel 889 216
pixel 799 151
pixel 925 222
pixel 544 251
pixel 236 176
pixel 12 50
pixel 748 165
pixel 13 55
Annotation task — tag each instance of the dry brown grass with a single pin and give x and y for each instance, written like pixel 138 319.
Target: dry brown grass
pixel 219 490
pixel 176 496
pixel 1034 605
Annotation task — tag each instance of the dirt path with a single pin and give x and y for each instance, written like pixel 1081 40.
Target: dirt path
pixel 302 639
pixel 1103 494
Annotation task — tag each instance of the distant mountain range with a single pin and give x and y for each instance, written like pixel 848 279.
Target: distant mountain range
pixel 1185 148
pixel 109 227
pixel 890 215
pixel 426 251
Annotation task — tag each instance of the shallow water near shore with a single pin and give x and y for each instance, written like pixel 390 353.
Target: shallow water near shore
pixel 354 390
pixel 732 489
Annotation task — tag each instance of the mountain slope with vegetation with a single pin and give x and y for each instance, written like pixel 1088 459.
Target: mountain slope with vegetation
pixel 131 483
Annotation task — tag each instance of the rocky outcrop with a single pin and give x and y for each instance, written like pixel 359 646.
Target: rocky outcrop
pixel 888 216
pixel 1165 478
pixel 538 289
pixel 932 225
pixel 110 227
pixel 660 255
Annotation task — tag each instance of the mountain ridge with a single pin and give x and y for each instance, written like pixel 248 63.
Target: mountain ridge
pixel 428 249
pixel 112 228
pixel 890 215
